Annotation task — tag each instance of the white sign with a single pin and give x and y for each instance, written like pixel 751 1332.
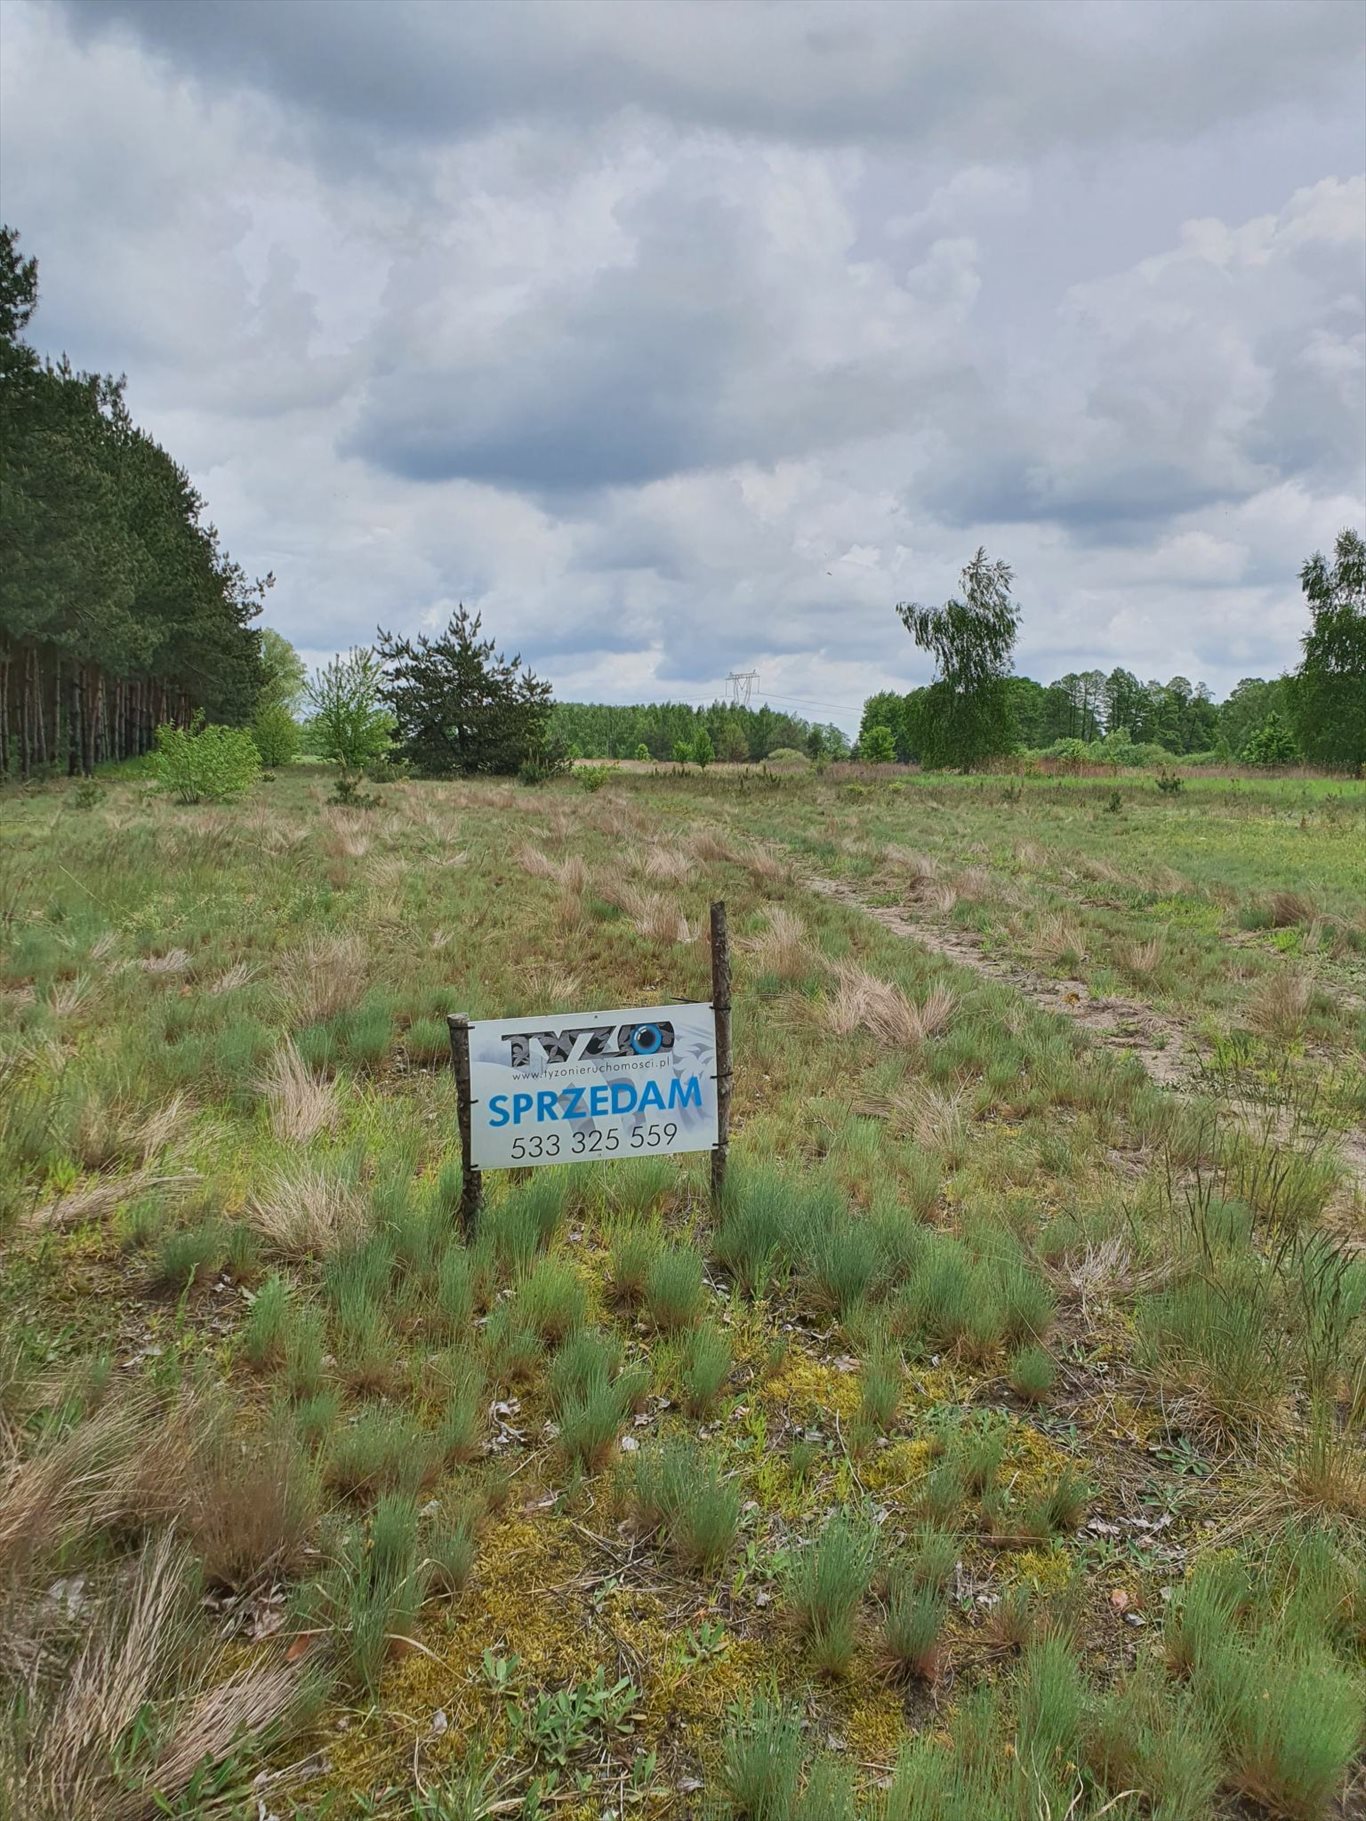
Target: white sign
pixel 572 1087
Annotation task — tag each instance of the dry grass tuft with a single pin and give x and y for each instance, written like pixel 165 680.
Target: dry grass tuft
pixel 653 916
pixel 63 1749
pixel 913 871
pixel 1280 1004
pixel 1290 908
pixel 1057 940
pixel 708 845
pixel 324 977
pixel 974 884
pixel 571 873
pixel 669 865
pixel 174 961
pixel 237 975
pixel 935 1120
pixel 308 1212
pixel 302 1104
pixel 1140 960
pixel 860 1001
pixel 93 1200
pixel 783 949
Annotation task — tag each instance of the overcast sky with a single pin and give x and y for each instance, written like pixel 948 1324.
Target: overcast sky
pixel 683 338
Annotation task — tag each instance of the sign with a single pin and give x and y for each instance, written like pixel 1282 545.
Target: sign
pixel 579 1088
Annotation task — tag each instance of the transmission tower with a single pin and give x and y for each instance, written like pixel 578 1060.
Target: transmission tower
pixel 740 687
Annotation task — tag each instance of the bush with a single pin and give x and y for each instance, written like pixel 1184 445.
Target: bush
pixel 786 755
pixel 878 747
pixel 591 777
pixel 276 734
pixel 642 753
pixel 205 764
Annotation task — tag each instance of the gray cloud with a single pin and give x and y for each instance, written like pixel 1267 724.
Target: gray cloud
pixel 681 339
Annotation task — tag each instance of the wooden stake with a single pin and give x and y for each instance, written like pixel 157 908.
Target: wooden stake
pixel 471 1180
pixel 720 1001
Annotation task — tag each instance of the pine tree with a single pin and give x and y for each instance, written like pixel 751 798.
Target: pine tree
pixel 459 705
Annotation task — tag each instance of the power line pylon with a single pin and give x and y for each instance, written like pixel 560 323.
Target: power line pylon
pixel 740 686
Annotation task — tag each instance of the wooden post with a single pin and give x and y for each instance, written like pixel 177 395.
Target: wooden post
pixel 720 1001
pixel 471 1181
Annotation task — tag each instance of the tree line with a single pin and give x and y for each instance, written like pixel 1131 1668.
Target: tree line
pixel 119 610
pixel 976 710
pixel 658 730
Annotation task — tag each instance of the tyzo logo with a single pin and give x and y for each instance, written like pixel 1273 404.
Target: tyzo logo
pixel 591 1042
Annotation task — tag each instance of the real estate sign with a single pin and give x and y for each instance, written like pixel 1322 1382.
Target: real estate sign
pixel 573 1088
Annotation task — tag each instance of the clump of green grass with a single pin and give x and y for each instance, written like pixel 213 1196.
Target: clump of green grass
pixel 703 1368
pixel 681 1488
pixel 455 1297
pixel 826 1582
pixel 515 1351
pixel 911 1628
pixel 449 1553
pixel 880 1383
pixel 839 1256
pixel 753 1232
pixel 315 1417
pixel 551 1301
pixel 634 1250
pixel 1032 1374
pixel 525 1223
pixel 382 1450
pixel 462 1420
pixel 370 1597
pixel 592 1397
pixel 674 1291
pixel 305 1352
pixel 1142 1737
pixel 366 1350
pixel 932 1557
pixel 189 1255
pixel 1049 1707
pixel 935 1306
pixel 265 1337
pixel 762 1761
pixel 1058 1507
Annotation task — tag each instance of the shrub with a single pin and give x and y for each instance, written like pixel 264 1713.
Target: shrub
pixel 205 764
pixel 276 734
pixel 592 777
pixel 877 746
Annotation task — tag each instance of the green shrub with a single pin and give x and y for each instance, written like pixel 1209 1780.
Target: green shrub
pixel 591 777
pixel 205 764
pixel 276 734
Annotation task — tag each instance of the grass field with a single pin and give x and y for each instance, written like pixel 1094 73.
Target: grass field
pixel 994 1451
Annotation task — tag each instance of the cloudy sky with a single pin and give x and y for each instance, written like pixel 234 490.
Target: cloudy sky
pixel 683 338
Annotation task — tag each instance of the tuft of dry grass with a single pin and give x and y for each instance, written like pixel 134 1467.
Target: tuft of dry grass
pixel 668 865
pixel 708 845
pixel 1057 941
pixel 783 949
pixel 301 1103
pixel 935 1120
pixel 63 1746
pixel 861 1001
pixel 307 1212
pixel 324 977
pixel 93 1200
pixel 571 873
pixel 1289 908
pixel 1280 1005
pixel 653 916
pixel 1140 960
pixel 237 975
pixel 913 871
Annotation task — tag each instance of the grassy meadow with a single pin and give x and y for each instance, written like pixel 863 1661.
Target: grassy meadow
pixel 995 1450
